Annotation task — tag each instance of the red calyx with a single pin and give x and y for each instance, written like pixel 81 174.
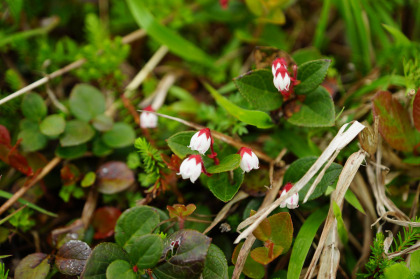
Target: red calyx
pixel 243 150
pixel 205 131
pixel 287 187
pixel 149 108
pixel 197 158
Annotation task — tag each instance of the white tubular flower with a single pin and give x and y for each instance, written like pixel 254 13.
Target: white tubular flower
pixel 281 78
pixel 291 202
pixel 201 141
pixel 147 119
pixel 191 168
pixel 249 160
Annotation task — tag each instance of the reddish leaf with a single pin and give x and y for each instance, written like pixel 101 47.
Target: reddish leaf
pixel 20 163
pixel 180 210
pixel 278 229
pixel 114 177
pixel 265 255
pixel 104 221
pixel 71 257
pixel 416 110
pixel 394 122
pixel 70 174
pixel 4 136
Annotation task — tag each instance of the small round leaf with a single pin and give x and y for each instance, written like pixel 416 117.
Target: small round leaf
pixel 121 135
pixel 86 102
pixel 71 257
pixel 102 123
pixel 114 177
pixel 52 125
pixel 32 140
pixel 76 132
pixel 33 107
pixel 71 152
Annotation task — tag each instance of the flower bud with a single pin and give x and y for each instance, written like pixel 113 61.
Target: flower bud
pixel 201 141
pixel 291 202
pixel 249 160
pixel 191 168
pixel 147 119
pixel 281 78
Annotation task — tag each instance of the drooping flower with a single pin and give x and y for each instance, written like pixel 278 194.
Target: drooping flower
pixel 191 168
pixel 291 202
pixel 147 119
pixel 201 141
pixel 281 78
pixel 249 160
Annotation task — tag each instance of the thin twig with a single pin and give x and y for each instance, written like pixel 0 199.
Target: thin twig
pixel 54 162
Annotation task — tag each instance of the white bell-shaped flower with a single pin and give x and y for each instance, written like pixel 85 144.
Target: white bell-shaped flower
pixel 191 168
pixel 147 119
pixel 201 141
pixel 281 78
pixel 249 160
pixel 291 202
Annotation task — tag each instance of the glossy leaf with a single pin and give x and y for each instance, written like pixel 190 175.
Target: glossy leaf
pixel 277 228
pixel 298 169
pixel 33 266
pixel 311 74
pixel 215 266
pixel 317 110
pixel 416 110
pixel 223 187
pixel 33 107
pixel 166 36
pixel 228 163
pixel 120 269
pixel 86 102
pixel 252 117
pixel 76 133
pixel 71 152
pixel 121 135
pixel 394 122
pixel 264 255
pixel 251 268
pixel 135 222
pixel 145 251
pixel 187 260
pixel 100 258
pixel 104 221
pixel 179 142
pixel 303 242
pixel 114 177
pixel 258 89
pixel 53 125
pixel 88 179
pixel 71 257
pixel 32 140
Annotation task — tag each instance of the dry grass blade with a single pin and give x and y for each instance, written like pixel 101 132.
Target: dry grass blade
pixel 330 257
pixel 342 138
pixel 346 177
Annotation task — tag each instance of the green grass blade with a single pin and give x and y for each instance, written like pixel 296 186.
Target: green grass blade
pixel 322 25
pixel 7 195
pixel 303 242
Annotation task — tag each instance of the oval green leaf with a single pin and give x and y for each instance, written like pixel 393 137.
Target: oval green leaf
pixel 32 139
pixel 317 110
pixel 120 269
pixel 252 117
pixel 215 266
pixel 179 142
pixel 311 74
pixel 76 132
pixel 53 125
pixel 71 152
pixel 33 107
pixel 145 251
pixel 86 102
pixel 121 135
pixel 228 163
pixel 102 122
pixel 223 187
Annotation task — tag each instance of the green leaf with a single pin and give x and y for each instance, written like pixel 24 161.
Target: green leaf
pixel 317 110
pixel 145 251
pixel 311 74
pixel 76 133
pixel 278 229
pixel 299 167
pixel 394 122
pixel 223 187
pixel 251 268
pixel 303 242
pixel 53 125
pixel 100 149
pixel 398 270
pixel 88 179
pixel 121 135
pixel 33 266
pixel 341 228
pixel 258 89
pixel 135 222
pixel 215 266
pixel 187 260
pixel 179 142
pixel 71 152
pixel 415 263
pixel 166 36
pixel 352 199
pixel 33 107
pixel 32 139
pixel 400 38
pixel 228 163
pixel 120 269
pixel 252 117
pixel 100 258
pixel 102 122
pixel 86 102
